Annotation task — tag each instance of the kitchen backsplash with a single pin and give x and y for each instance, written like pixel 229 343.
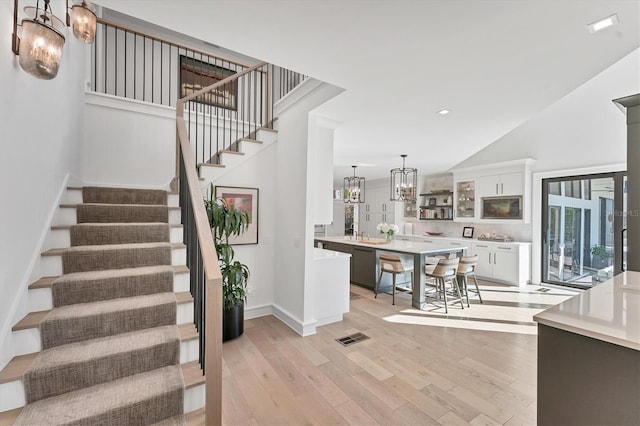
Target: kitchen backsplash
pixel 518 232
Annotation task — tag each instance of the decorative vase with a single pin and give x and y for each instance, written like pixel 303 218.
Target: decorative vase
pixel 389 237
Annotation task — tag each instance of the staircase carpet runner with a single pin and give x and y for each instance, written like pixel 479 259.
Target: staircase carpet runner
pixel 79 365
pixel 115 256
pixel 141 399
pixel 102 195
pixel 85 234
pixel 93 286
pixel 110 345
pixel 75 323
pixel 126 213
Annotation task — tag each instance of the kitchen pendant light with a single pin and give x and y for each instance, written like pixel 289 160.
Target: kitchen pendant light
pixel 404 182
pixel 353 191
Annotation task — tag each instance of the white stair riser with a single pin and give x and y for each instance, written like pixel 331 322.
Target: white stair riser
pixel 249 148
pixel 184 313
pixel 173 200
pixel 181 282
pixel 189 350
pixel 61 238
pixel 58 238
pixel 176 234
pixel 267 136
pixel 41 299
pixel 12 393
pixel 51 266
pixel 72 196
pixel 28 341
pixel 194 398
pixel 175 216
pixel 65 216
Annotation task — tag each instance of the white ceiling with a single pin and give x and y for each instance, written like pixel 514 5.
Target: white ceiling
pixel 493 63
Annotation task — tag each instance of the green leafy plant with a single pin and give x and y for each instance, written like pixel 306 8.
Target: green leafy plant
pixel 601 251
pixel 226 221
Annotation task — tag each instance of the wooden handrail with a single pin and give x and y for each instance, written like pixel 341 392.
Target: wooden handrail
pixel 182 101
pixel 212 282
pixel 166 41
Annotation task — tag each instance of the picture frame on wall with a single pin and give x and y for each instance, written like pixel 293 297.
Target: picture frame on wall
pixel 245 199
pixel 432 201
pixel 467 232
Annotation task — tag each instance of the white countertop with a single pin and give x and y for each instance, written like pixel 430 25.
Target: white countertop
pixel 323 254
pixel 414 247
pixel 468 240
pixel 609 312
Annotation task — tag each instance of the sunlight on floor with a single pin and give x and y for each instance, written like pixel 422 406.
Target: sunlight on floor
pixel 504 309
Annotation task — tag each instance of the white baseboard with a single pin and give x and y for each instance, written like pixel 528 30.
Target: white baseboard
pixel 294 323
pixel 258 311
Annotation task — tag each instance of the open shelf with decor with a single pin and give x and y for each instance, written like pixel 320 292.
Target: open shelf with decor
pixel 437 205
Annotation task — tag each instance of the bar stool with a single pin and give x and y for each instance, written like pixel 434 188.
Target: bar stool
pixel 391 264
pixel 445 272
pixel 466 268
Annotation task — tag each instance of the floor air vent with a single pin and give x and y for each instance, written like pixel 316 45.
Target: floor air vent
pixel 544 290
pixel 350 340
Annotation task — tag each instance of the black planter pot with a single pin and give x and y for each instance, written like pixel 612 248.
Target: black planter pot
pixel 232 322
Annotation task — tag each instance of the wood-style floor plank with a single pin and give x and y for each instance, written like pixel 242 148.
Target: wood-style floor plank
pixel 462 368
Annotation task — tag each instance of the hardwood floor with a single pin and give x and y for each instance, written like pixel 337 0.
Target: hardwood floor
pixel 474 366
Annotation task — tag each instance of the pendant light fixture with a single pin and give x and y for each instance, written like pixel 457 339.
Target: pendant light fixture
pixel 353 191
pixel 404 182
pixel 39 47
pixel 84 21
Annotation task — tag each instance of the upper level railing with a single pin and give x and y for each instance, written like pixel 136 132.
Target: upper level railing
pixel 137 65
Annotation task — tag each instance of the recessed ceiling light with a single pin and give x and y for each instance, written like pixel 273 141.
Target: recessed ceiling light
pixel 443 112
pixel 609 21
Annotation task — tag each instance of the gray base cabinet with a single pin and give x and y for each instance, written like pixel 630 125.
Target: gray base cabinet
pixel 585 381
pixel 364 267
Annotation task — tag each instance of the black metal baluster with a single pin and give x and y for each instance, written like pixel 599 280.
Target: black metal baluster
pixel 153 69
pixel 144 68
pixel 115 66
pixel 161 71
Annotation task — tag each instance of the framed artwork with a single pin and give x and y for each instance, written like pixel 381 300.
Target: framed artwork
pixel 502 207
pixel 196 75
pixel 245 199
pixel 432 201
pixel 467 232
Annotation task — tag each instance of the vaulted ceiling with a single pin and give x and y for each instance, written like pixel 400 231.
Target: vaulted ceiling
pixel 493 63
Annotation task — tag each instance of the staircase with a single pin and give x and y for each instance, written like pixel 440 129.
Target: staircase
pixel 110 338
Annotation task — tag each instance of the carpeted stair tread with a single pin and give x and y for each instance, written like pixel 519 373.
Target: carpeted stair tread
pixel 135 400
pixel 121 213
pixel 178 420
pixel 106 195
pixel 79 365
pixel 115 256
pixel 118 233
pixel 86 321
pixel 93 286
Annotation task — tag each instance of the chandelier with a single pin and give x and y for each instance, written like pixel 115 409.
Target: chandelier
pixel 404 183
pixel 353 191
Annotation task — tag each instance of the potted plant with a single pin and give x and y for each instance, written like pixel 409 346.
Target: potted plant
pixel 601 257
pixel 226 221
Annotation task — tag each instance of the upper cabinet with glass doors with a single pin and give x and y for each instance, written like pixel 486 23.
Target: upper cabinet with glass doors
pixel 465 200
pixel 498 192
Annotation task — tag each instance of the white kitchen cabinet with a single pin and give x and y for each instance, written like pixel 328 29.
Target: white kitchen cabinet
pixel 465 204
pixel 377 209
pixel 502 184
pixel 505 262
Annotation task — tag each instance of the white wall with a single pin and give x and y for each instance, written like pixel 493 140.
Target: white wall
pixel 292 205
pixel 258 171
pixel 42 142
pixel 128 143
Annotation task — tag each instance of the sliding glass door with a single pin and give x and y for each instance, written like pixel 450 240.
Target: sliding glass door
pixel 582 228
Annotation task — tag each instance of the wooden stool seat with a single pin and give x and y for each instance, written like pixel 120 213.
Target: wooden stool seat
pixel 391 264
